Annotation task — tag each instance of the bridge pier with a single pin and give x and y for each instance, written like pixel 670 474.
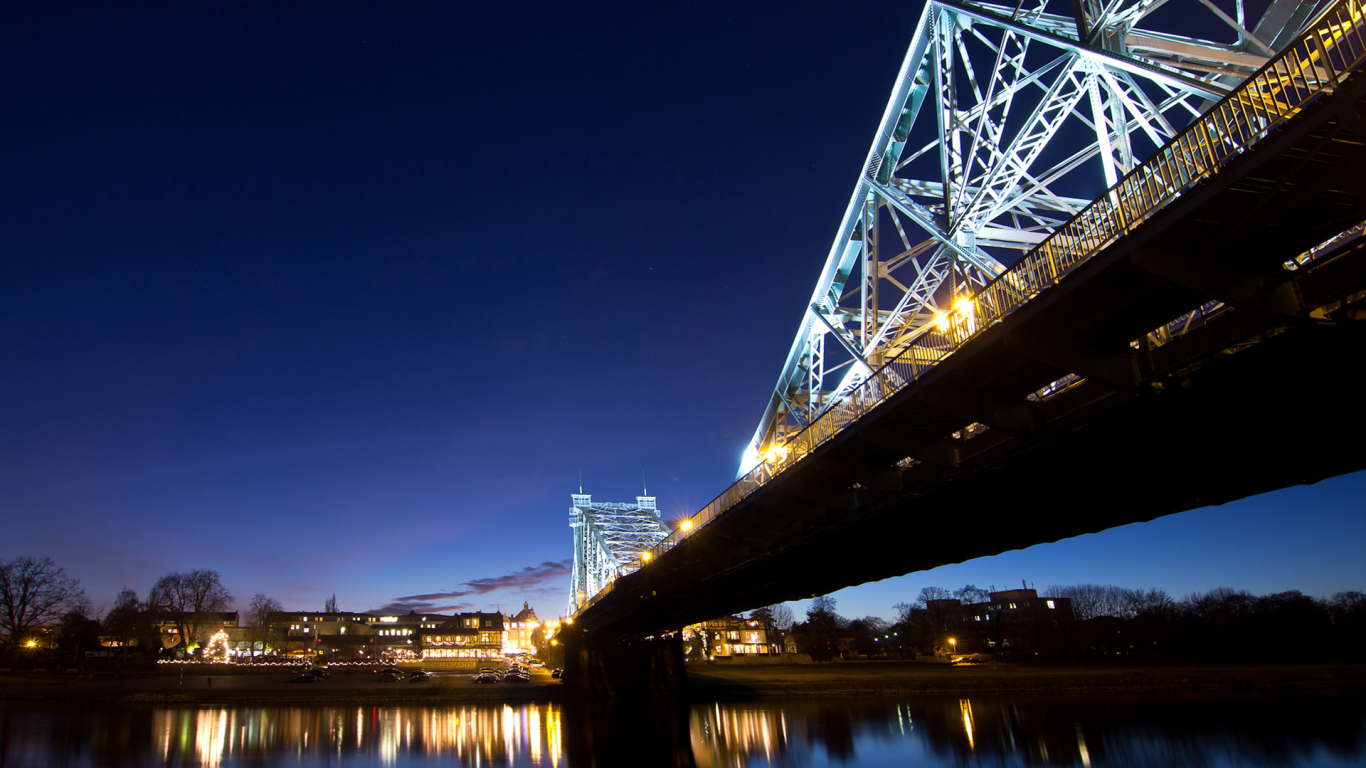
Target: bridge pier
pixel 600 665
pixel 627 733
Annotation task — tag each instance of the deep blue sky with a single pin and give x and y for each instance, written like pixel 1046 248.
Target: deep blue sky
pixel 340 298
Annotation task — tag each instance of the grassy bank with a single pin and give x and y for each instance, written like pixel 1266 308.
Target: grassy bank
pixel 909 678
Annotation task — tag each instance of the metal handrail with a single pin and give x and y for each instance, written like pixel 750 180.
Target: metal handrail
pixel 1331 48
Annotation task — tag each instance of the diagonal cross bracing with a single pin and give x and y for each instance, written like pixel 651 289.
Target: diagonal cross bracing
pixel 1003 123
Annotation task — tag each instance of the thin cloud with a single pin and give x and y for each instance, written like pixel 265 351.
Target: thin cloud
pixel 420 606
pixel 529 578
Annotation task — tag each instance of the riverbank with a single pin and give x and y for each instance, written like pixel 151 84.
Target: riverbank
pixel 252 687
pixel 706 682
pixel 893 678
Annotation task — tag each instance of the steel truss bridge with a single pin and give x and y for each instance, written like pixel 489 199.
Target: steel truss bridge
pixel 1092 272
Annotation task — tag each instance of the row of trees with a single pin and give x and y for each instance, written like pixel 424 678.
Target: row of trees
pixel 1220 625
pixel 822 633
pixel 1232 625
pixel 36 595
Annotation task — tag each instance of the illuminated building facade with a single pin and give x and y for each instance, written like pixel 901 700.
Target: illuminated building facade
pixel 208 623
pixel 519 629
pixel 733 636
pixel 345 636
pixel 465 640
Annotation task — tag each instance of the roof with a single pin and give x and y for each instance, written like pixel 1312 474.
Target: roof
pixel 526 614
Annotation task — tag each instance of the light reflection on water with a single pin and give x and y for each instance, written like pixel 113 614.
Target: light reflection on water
pixel 855 732
pixel 468 735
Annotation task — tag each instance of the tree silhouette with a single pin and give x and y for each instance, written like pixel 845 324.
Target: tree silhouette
pixel 33 593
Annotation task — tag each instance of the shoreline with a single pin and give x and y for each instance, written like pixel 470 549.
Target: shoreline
pixel 911 679
pixel 718 682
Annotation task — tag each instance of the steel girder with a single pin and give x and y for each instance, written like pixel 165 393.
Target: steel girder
pixel 607 536
pixel 1004 121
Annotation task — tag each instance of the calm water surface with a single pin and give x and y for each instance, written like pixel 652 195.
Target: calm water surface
pixel 977 731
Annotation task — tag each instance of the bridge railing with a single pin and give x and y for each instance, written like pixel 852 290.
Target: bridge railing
pixel 1333 47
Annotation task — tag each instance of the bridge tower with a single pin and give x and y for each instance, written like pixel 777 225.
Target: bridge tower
pixel 608 537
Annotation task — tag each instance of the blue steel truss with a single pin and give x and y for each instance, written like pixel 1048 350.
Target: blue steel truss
pixel 1003 123
pixel 956 292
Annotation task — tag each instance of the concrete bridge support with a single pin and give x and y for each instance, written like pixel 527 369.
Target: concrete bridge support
pixel 596 664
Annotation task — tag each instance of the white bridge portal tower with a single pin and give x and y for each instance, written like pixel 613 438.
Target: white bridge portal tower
pixel 607 536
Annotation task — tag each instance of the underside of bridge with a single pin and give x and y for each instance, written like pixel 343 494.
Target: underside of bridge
pixel 1261 394
pixel 1196 347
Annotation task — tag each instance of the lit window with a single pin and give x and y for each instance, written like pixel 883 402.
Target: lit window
pixel 1012 606
pixel 1050 605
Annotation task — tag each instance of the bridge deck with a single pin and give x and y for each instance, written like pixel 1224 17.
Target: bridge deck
pixel 1256 395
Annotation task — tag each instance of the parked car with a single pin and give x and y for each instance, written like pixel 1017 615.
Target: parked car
pixel 557 673
pixel 419 676
pixel 305 678
pixel 516 677
pixel 390 677
pixel 486 678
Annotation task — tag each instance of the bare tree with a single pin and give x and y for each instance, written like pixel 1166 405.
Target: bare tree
pixel 33 593
pixel 782 616
pixel 933 593
pixel 904 612
pixel 825 606
pixel 1092 600
pixel 770 618
pixel 330 604
pixel 972 594
pixel 258 618
pixel 824 603
pixel 187 598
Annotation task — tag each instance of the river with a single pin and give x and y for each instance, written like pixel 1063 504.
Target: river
pixel 859 733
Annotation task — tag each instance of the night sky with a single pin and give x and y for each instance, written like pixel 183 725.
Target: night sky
pixel 342 298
